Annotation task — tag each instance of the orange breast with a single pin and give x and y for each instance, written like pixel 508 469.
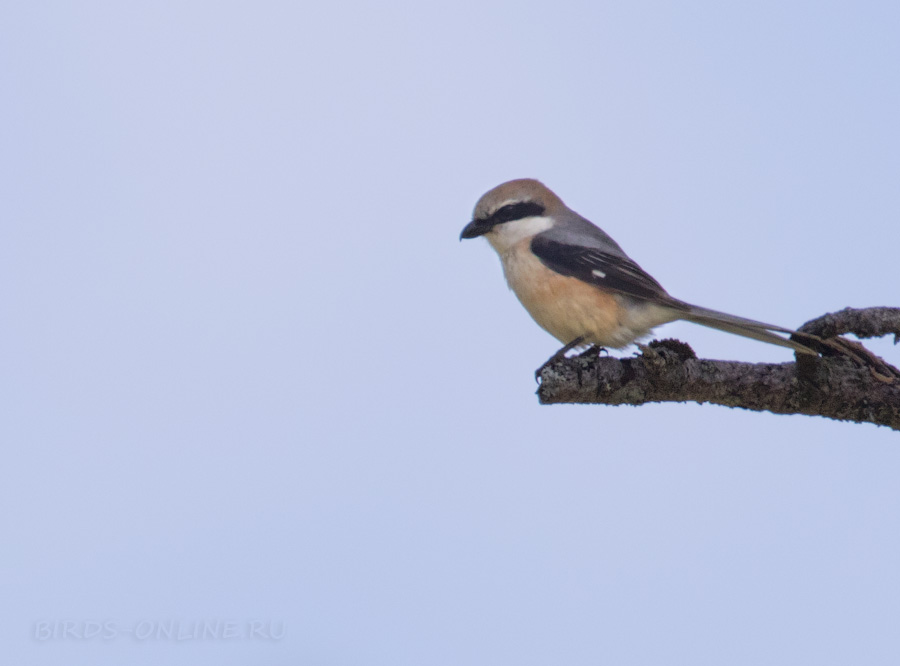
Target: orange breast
pixel 565 306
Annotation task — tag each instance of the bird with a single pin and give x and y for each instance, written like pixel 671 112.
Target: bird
pixel 578 284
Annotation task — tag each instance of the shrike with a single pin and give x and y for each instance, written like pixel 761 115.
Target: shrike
pixel 577 283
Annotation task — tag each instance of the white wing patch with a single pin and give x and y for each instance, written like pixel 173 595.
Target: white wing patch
pixel 598 273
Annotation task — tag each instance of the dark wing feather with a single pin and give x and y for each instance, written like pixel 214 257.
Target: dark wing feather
pixel 609 270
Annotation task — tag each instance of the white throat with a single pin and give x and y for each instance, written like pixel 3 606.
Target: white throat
pixel 504 236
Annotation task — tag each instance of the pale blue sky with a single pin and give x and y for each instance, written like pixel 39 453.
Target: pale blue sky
pixel 250 374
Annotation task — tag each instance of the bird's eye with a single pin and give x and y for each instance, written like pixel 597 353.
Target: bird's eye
pixel 502 215
pixel 517 211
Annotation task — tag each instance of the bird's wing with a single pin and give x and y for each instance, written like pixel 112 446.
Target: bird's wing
pixel 590 262
pixel 585 252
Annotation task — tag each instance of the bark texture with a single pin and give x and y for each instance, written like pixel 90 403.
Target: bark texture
pixel 848 383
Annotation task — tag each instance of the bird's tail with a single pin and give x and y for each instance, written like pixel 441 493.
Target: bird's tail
pixel 747 328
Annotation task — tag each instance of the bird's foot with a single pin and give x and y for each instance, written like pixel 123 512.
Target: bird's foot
pixel 561 354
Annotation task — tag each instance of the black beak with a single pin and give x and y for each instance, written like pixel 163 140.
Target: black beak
pixel 476 228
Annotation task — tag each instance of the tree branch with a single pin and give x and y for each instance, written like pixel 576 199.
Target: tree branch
pixel 848 384
pixel 862 322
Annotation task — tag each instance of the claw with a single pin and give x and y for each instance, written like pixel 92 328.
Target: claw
pixel 558 355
